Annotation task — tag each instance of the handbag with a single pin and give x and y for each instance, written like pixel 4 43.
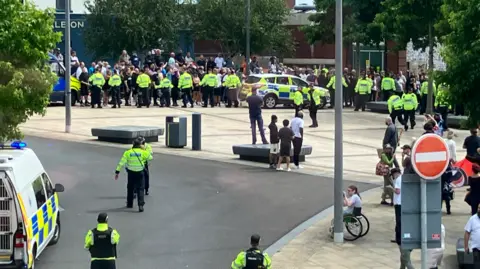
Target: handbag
pixel 382 169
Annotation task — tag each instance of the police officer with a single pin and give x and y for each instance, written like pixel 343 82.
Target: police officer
pixel 388 87
pixel 185 84
pixel 97 80
pixel 410 105
pixel 442 103
pixel 102 243
pixel 232 83
pixel 395 107
pixel 208 83
pixel 143 82
pixel 314 97
pixel 165 88
pixel 252 258
pixel 134 160
pixel 114 82
pixel 424 95
pixel 331 88
pixel 298 100
pixel 147 147
pixel 363 89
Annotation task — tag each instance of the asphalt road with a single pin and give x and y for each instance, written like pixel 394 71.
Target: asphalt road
pixel 199 215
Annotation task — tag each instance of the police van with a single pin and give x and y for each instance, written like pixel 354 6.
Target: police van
pixel 29 208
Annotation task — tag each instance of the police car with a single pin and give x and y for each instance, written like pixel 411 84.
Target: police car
pixel 279 89
pixel 29 208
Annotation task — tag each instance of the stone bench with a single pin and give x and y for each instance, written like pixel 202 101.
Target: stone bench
pixel 126 134
pixel 261 153
pixel 463 259
pixel 379 107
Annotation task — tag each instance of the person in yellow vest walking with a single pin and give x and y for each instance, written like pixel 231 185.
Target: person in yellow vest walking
pixel 388 87
pixel 97 80
pixel 165 90
pixel 363 90
pixel 114 82
pixel 208 83
pixel 395 108
pixel 331 88
pixel 102 243
pixel 424 95
pixel 185 84
pixel 410 105
pixel 298 100
pixel 232 83
pixel 134 160
pixel 143 82
pixel 442 103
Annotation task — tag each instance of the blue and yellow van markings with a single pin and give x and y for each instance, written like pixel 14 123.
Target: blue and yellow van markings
pixel 43 219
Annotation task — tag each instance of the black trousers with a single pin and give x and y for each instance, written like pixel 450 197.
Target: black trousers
pixel 102 264
pixel 348 94
pixel 387 94
pixel 297 109
pixel 313 114
pixel 397 114
pixel 297 148
pixel 443 110
pixel 398 222
pixel 116 96
pixel 232 97
pixel 332 97
pixel 175 95
pixel 361 101
pixel 155 95
pixel 146 176
pixel 207 96
pixel 143 97
pixel 409 115
pixel 96 98
pixel 127 96
pixel 135 183
pixel 165 97
pixel 423 103
pixel 187 96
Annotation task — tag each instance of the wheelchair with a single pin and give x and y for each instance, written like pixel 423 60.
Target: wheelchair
pixel 356 224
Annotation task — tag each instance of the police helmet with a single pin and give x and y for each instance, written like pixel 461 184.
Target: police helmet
pixel 137 143
pixel 141 138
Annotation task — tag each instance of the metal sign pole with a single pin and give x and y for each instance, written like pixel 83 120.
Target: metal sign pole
pixel 423 221
pixel 68 91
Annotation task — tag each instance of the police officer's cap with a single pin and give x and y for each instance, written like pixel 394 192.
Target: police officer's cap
pixel 141 138
pixel 137 142
pixel 102 217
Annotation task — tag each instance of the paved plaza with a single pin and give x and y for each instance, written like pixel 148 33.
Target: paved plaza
pixel 222 128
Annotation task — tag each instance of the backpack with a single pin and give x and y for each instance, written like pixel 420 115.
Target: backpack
pixel 254 259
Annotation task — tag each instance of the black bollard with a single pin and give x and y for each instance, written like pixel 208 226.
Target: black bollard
pixel 168 119
pixel 196 131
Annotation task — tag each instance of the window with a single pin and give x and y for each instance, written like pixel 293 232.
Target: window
pixel 253 79
pixel 283 80
pixel 270 80
pixel 39 191
pixel 60 5
pixel 48 185
pixel 299 82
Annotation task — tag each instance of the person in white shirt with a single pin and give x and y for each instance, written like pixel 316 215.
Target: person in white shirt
pixel 452 146
pixel 297 127
pixel 219 61
pixel 472 236
pixel 351 200
pixel 188 59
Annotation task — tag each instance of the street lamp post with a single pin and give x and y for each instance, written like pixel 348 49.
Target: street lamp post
pixel 68 91
pixel 338 181
pixel 247 33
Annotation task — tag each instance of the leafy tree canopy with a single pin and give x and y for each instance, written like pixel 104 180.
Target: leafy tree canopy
pixel 26 36
pixel 224 21
pixel 139 25
pixel 460 53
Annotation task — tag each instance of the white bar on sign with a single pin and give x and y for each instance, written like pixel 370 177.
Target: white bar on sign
pixel 435 156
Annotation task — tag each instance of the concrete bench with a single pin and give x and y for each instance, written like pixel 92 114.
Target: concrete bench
pixel 126 134
pixel 379 107
pixel 463 260
pixel 261 153
pixel 455 121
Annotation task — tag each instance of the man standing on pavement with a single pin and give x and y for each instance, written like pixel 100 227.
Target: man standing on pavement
pixel 391 138
pixel 255 103
pixel 298 100
pixel 472 235
pixel 274 142
pixel 102 243
pixel 313 96
pixel 363 89
pixel 297 128
pixel 135 159
pixel 97 81
pixel 253 257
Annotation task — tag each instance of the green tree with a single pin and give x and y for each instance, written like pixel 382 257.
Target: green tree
pixel 460 52
pixel 224 21
pixel 26 36
pixel 139 25
pixel 413 20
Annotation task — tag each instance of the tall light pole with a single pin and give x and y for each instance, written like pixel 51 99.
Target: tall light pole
pixel 247 33
pixel 338 180
pixel 68 91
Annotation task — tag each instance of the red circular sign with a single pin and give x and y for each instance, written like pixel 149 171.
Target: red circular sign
pixel 430 156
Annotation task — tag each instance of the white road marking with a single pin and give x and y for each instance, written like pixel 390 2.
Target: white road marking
pixel 436 156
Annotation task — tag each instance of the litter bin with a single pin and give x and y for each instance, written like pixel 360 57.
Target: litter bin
pixel 175 132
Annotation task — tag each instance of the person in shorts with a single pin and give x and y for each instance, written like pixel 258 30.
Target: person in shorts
pixel 274 141
pixel 286 136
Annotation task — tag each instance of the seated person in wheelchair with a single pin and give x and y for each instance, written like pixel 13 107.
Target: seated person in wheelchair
pixel 351 200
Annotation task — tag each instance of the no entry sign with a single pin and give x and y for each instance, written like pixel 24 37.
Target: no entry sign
pixel 430 156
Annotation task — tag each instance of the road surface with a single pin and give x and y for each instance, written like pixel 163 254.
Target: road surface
pixel 199 214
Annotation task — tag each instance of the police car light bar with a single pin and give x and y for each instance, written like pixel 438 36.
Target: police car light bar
pixel 14 145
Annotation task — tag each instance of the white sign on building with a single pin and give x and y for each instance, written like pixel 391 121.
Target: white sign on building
pixel 76 6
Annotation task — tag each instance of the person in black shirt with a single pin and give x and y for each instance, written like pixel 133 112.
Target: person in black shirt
pixel 202 62
pixel 84 87
pixel 286 136
pixel 472 143
pixel 274 140
pixel 179 57
pixel 211 63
